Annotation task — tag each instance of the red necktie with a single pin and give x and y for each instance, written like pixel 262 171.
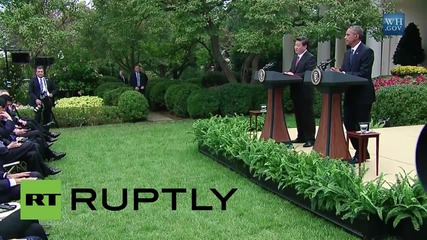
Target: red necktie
pixel 297 61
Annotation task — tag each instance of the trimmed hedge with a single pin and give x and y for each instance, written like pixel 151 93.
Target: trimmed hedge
pixel 235 99
pixel 214 78
pixel 176 98
pixel 133 106
pixel 203 103
pixel 108 86
pixel 77 117
pixel 402 104
pixel 150 84
pixel 84 101
pixel 259 95
pixel 111 97
pixel 317 103
pixel 196 80
pixel 105 79
pixel 157 94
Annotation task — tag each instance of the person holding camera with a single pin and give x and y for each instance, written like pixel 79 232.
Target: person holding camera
pixel 41 92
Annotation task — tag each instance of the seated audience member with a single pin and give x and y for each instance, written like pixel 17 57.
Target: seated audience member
pixel 26 121
pixel 10 184
pixel 28 153
pixel 22 129
pixel 12 227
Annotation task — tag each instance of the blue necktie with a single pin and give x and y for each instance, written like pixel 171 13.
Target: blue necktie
pixel 137 79
pixel 351 56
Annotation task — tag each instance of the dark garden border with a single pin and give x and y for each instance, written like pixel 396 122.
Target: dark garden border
pixel 374 228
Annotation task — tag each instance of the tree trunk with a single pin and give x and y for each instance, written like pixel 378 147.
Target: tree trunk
pixel 246 69
pixel 220 60
pixel 254 67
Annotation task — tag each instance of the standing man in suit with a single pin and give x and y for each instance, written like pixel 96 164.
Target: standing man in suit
pixel 302 94
pixel 138 79
pixel 41 92
pixel 358 100
pixel 122 76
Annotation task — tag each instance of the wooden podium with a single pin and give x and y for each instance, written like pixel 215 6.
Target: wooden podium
pixel 275 125
pixel 330 139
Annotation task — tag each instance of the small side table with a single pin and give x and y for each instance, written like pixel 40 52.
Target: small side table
pixel 254 113
pixel 363 140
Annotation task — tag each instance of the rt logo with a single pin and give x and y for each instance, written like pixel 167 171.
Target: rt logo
pixel 41 200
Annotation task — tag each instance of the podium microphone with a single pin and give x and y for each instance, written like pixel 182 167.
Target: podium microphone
pixel 325 63
pixel 269 65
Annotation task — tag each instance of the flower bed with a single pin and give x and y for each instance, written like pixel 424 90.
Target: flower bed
pixel 386 81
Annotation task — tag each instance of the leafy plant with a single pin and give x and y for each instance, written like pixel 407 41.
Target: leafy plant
pixel 409 200
pixel 330 185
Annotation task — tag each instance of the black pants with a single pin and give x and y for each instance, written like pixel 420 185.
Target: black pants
pixel 46 111
pixel 39 138
pixel 28 153
pixel 13 227
pixel 353 115
pixel 302 98
pixel 13 193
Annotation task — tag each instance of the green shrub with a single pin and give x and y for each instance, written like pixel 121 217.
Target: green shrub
pixel 105 79
pixel 77 117
pixel 157 94
pixel 112 97
pixel 408 70
pixel 133 106
pixel 317 103
pixel 196 80
pixel 84 101
pixel 402 104
pixel 176 98
pixel 259 95
pixel 101 89
pixel 288 106
pixel 235 99
pixel 151 83
pixel 203 103
pixel 214 78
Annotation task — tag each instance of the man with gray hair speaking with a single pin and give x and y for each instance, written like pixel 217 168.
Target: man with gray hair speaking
pixel 358 100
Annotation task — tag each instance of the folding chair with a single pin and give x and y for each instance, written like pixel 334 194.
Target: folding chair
pixel 15 167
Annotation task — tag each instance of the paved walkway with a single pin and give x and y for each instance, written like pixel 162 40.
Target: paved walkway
pixel 397 150
pixel 157 117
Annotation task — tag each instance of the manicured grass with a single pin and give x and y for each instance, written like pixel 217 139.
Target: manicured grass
pixel 163 155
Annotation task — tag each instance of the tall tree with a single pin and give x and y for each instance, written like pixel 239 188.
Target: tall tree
pixel 205 19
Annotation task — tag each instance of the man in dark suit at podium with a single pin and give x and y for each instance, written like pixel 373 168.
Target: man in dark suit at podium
pixel 302 94
pixel 358 100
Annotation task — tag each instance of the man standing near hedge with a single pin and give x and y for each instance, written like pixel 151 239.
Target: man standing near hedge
pixel 358 100
pixel 41 91
pixel 302 94
pixel 138 79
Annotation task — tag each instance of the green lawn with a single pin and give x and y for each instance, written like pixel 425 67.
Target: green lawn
pixel 163 155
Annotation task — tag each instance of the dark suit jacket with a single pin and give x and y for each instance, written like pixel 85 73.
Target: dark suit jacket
pixel 306 63
pixel 34 90
pixel 142 77
pixel 122 79
pixel 4 182
pixel 361 66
